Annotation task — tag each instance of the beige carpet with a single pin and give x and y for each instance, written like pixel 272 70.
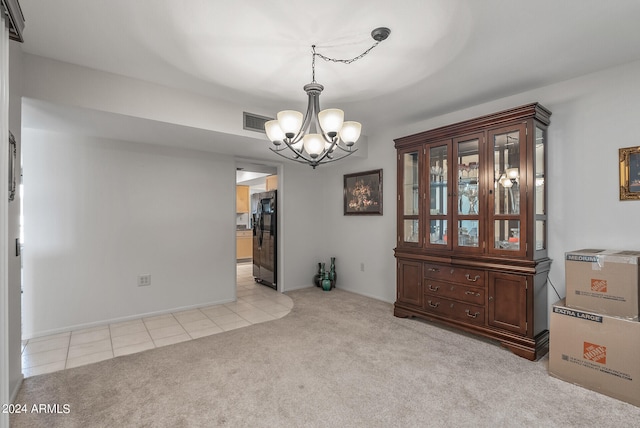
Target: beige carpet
pixel 337 360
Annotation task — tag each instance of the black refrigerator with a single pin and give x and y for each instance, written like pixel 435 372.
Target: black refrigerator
pixel 265 238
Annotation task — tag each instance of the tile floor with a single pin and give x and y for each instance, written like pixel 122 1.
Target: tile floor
pixel 255 304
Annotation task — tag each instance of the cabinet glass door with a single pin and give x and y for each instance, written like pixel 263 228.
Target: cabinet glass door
pixel 540 225
pixel 468 209
pixel 438 161
pixel 410 196
pixel 508 188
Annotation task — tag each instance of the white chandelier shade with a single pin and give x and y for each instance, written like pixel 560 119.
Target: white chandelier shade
pixel 290 121
pixel 331 121
pixel 274 131
pixel 350 132
pixel 313 144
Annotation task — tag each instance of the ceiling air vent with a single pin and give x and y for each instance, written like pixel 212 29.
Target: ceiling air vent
pixel 253 122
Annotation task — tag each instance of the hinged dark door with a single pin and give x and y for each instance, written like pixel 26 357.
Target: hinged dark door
pixel 507 302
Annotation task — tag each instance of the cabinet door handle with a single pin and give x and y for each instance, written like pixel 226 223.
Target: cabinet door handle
pixel 472 293
pixel 476 278
pixel 434 269
pixel 433 305
pixel 432 288
pixel 472 316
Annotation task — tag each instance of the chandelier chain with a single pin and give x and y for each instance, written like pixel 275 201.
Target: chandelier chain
pixel 329 59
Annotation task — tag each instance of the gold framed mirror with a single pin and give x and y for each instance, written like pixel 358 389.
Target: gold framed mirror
pixel 629 173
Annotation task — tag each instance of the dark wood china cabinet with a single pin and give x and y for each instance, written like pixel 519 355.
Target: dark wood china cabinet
pixel 472 227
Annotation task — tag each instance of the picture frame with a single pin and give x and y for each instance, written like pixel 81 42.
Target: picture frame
pixel 13 152
pixel 629 173
pixel 363 193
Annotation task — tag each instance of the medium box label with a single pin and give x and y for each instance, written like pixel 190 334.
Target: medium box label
pixel 582 258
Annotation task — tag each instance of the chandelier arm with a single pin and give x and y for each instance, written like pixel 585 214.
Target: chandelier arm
pixel 313 162
pixel 328 155
pixel 277 150
pixel 325 153
pixel 305 122
pixel 296 159
pixel 333 159
pixel 333 141
pixel 347 150
pixel 316 110
pixel 298 155
pixel 305 160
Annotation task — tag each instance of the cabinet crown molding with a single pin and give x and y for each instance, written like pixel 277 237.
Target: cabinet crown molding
pixel 528 111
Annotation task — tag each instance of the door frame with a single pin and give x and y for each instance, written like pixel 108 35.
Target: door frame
pixel 280 217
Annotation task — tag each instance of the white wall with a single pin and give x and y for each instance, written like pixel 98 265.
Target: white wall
pixel 73 85
pixel 304 238
pixel 98 213
pixel 593 116
pixel 367 239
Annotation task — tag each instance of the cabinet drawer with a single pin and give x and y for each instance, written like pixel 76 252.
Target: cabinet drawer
pixel 471 314
pixel 460 275
pixel 473 295
pixel 244 234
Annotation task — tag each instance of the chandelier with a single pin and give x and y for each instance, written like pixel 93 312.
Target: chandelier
pixel 317 137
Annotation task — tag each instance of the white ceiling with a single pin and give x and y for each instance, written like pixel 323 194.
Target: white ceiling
pixel 442 55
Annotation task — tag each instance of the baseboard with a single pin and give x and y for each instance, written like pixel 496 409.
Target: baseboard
pixel 122 319
pixel 298 288
pixel 371 296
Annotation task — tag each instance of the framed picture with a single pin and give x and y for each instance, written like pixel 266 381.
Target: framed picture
pixel 363 193
pixel 629 173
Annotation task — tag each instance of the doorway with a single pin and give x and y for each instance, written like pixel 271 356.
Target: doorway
pixel 253 181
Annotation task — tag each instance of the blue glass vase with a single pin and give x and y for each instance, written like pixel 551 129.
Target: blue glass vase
pixel 317 278
pixel 326 282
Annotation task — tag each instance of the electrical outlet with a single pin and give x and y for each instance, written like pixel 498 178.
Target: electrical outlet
pixel 144 280
pixel 361 267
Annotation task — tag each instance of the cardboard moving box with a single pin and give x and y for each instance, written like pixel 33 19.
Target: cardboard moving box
pixel 604 281
pixel 597 352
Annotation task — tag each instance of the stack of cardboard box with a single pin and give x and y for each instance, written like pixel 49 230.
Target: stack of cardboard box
pixel 595 334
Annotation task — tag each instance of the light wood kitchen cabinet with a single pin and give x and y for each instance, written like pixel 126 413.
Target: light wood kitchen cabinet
pixel 272 183
pixel 242 199
pixel 472 227
pixel 244 244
